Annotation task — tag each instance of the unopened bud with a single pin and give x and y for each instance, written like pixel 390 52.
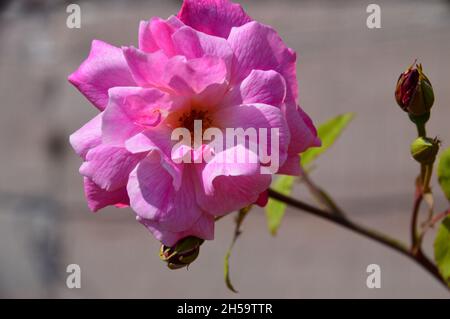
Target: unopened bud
pixel 424 149
pixel 182 254
pixel 414 92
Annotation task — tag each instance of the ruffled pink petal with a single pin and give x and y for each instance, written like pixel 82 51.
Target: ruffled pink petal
pixel 189 77
pixel 258 116
pixel 291 166
pixel 132 109
pixel 303 132
pixel 267 87
pixel 147 69
pixel 303 136
pixel 156 34
pixel 109 166
pixel 194 44
pixel 98 198
pixel 259 47
pixel 104 68
pixel 87 137
pixel 150 188
pixel 177 75
pixel 146 41
pixel 203 228
pixel 263 199
pixel 309 123
pixel 184 210
pixel 215 17
pixel 151 139
pixel 152 196
pixel 158 140
pixel 226 184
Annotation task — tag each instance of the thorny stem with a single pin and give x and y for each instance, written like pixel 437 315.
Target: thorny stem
pixel 383 239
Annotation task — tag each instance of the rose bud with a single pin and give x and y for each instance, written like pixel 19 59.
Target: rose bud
pixel 414 92
pixel 182 254
pixel 424 149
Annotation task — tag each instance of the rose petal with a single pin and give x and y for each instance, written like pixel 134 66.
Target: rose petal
pixel 189 77
pixel 203 228
pixel 109 166
pixel 267 87
pixel 227 184
pixel 87 137
pixel 99 198
pixel 259 47
pixel 303 132
pixel 147 69
pixel 263 199
pixel 215 17
pixel 261 119
pixel 152 196
pixel 291 166
pixel 104 68
pixel 194 44
pixel 156 34
pixel 158 140
pixel 132 109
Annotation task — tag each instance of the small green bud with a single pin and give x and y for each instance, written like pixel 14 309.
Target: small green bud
pixel 424 149
pixel 414 92
pixel 182 254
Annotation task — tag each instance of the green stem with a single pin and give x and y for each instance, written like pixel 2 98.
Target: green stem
pixel 421 130
pixel 422 174
pixel 427 178
pixel 415 238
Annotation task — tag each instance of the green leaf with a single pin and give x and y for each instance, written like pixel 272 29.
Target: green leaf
pixel 237 232
pixel 328 133
pixel 275 209
pixel 442 249
pixel 443 172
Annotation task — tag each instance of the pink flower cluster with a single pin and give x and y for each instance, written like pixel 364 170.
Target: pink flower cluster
pixel 213 63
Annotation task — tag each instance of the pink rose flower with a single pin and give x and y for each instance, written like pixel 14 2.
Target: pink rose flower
pixel 213 63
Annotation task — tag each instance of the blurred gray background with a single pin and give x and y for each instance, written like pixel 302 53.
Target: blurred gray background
pixel 343 66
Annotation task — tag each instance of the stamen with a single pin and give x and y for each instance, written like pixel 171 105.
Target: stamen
pixel 187 119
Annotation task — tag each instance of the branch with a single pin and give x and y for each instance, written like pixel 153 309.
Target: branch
pixel 383 239
pixel 415 237
pixel 321 196
pixel 433 221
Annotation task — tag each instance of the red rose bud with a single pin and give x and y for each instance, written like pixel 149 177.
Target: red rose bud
pixel 182 254
pixel 414 92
